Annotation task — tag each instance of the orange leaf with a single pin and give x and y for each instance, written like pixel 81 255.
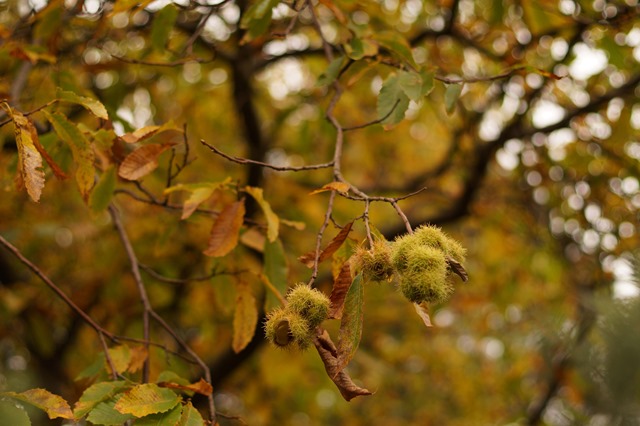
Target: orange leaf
pixel 202 387
pixel 148 131
pixel 333 186
pixel 142 161
pixel 226 229
pixel 339 291
pixel 309 258
pixel 245 318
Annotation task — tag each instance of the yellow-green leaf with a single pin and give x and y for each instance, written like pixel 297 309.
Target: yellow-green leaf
pixel 146 399
pixel 142 161
pixel 276 270
pixel 55 406
pixel 273 222
pixel 351 323
pixel 226 230
pixel 451 95
pixel 169 418
pixel 120 358
pixel 81 149
pixel 92 105
pixel 13 415
pixel 103 191
pixel 392 102
pixel 95 394
pixel 190 416
pixel 104 413
pixel 397 45
pixel 245 317
pixel 163 22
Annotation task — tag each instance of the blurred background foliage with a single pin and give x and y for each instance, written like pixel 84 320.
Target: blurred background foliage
pixel 537 176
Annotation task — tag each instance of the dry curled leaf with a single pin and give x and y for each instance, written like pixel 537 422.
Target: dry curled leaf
pixel 422 310
pixel 333 186
pixel 226 229
pixel 309 258
pixel 457 268
pixel 328 354
pixel 339 291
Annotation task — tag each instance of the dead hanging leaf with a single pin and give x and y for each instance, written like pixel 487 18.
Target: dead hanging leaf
pixel 339 291
pixel 309 258
pixel 148 131
pixel 142 161
pixel 245 317
pixel 29 159
pixel 328 354
pixel 273 221
pixel 423 311
pixel 202 387
pixel 333 186
pixel 351 323
pixel 457 268
pixel 226 229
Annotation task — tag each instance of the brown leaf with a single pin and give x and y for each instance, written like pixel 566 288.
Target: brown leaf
pixel 226 229
pixel 202 387
pixel 339 291
pixel 245 318
pixel 423 311
pixel 333 186
pixel 309 258
pixel 139 355
pixel 351 323
pixel 142 161
pixel 57 171
pixel 328 353
pixel 457 268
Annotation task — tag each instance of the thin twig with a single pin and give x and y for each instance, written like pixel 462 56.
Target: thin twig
pixel 161 64
pixel 371 123
pixel 169 280
pixel 142 291
pixel 240 160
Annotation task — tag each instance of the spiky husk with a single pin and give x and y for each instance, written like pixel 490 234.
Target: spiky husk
pixel 426 286
pixel 400 249
pixel 433 236
pixel 309 303
pixel 376 262
pixel 286 329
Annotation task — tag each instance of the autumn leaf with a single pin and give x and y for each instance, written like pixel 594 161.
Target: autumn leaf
pixel 29 158
pixel 309 258
pixel 341 286
pixel 422 310
pixel 146 399
pixel 168 418
pixel 104 413
pixel 328 354
pixel 351 323
pixel 273 222
pixel 342 187
pixel 95 394
pixel 200 192
pixel 190 416
pixel 245 317
pixel 392 102
pixel 103 191
pixel 226 229
pixel 81 149
pixel 120 357
pixel 202 387
pixel 55 406
pixel 457 268
pixel 142 161
pixel 146 132
pixel 451 95
pixel 92 105
pixel 139 355
pixel 13 414
pixel 276 270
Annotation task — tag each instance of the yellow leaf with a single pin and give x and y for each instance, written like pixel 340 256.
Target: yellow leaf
pixel 52 404
pixel 245 318
pixel 29 159
pixel 226 229
pixel 148 131
pixel 273 222
pixel 333 186
pixel 142 161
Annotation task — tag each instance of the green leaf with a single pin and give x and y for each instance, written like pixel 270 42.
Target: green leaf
pixel 415 85
pixel 351 323
pixel 332 72
pixel 170 418
pixel 451 95
pixel 276 270
pixel 95 368
pixel 95 394
pixel 397 45
pixel 92 105
pixel 105 414
pixel 358 48
pixel 146 399
pixel 103 191
pixel 49 20
pixel 13 415
pixel 273 222
pixel 55 406
pixel 190 416
pixel 392 101
pixel 163 22
pixel 81 149
pixel 257 18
